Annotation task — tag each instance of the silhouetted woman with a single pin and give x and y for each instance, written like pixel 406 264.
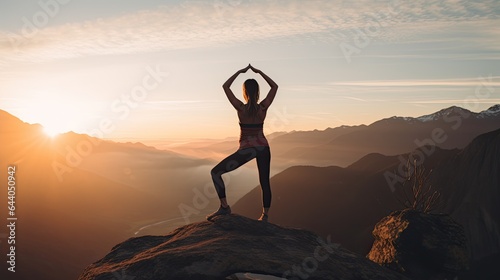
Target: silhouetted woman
pixel 253 143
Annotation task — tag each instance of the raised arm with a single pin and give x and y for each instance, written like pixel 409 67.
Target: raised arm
pixel 272 92
pixel 237 104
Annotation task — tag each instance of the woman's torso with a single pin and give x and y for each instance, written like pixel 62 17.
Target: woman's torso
pixel 252 133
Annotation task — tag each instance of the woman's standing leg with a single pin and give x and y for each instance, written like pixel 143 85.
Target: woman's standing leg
pixel 264 166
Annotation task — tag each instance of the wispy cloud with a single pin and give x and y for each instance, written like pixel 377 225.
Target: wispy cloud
pixel 198 24
pixel 368 90
pixel 464 82
pixel 166 106
pixel 354 98
pixel 455 101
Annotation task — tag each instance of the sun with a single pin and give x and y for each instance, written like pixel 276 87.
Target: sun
pixel 51 131
pixel 53 125
pixel 55 115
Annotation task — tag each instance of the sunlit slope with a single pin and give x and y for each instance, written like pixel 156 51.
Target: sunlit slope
pixel 77 196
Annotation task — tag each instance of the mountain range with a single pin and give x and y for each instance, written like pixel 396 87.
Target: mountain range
pixel 79 195
pixel 346 202
pixel 343 145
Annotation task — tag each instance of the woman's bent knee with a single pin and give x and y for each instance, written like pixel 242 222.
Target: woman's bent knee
pixel 216 172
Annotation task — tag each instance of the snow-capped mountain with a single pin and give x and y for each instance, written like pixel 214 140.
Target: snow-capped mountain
pixel 493 111
pixel 445 113
pixel 449 128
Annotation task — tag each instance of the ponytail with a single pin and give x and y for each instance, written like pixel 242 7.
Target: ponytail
pixel 251 95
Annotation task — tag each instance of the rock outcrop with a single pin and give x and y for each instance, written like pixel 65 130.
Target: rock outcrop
pixel 231 245
pixel 419 245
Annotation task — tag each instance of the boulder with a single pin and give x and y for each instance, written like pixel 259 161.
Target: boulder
pixel 233 245
pixel 420 245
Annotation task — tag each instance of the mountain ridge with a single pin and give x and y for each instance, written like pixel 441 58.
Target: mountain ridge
pixel 134 165
pixel 74 187
pixel 468 180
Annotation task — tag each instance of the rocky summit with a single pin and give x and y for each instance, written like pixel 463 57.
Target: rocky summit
pixel 230 246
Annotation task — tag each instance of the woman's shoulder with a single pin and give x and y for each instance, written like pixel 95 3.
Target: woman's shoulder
pixel 262 107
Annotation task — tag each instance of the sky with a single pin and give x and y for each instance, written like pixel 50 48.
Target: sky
pixel 152 71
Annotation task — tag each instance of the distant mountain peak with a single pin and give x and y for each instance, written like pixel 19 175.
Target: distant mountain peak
pixel 495 108
pixel 491 112
pixel 401 118
pixel 443 113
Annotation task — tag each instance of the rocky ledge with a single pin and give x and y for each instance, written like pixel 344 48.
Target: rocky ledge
pixel 230 247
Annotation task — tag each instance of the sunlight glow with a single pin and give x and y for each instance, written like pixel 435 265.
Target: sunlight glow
pixel 55 113
pixel 51 131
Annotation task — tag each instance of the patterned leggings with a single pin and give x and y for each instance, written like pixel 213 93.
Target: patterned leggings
pixel 237 159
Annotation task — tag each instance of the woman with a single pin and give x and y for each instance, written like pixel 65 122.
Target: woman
pixel 253 143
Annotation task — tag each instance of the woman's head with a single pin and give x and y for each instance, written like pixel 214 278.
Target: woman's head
pixel 251 91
